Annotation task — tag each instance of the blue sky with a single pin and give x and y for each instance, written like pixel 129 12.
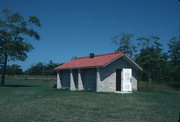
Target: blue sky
pixel 79 27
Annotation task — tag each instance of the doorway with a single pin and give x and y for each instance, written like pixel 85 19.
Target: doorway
pixel 118 79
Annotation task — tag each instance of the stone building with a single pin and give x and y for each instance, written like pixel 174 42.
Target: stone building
pixel 113 72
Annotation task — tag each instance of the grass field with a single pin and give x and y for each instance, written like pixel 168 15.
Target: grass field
pixel 23 101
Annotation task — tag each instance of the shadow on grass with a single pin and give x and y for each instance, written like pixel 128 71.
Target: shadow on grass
pixel 19 86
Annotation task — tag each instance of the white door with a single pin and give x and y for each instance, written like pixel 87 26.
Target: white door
pixel 126 84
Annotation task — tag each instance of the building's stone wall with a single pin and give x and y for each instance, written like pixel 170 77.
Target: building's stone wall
pixel 107 79
pixel 80 83
pixel 108 75
pixel 58 81
pixel 134 83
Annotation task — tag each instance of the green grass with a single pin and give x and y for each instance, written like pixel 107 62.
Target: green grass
pixel 155 87
pixel 24 101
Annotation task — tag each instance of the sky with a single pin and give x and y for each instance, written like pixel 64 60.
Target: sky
pixel 79 27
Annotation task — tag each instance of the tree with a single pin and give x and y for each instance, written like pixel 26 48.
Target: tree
pixel 14 70
pixel 151 59
pixel 49 68
pixel 36 69
pixel 174 50
pixel 42 69
pixel 174 58
pixel 14 34
pixel 124 43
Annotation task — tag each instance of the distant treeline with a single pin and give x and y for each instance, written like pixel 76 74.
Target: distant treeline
pixel 46 69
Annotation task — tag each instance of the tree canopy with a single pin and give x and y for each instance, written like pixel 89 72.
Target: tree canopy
pixel 42 69
pixel 159 65
pixel 174 58
pixel 151 58
pixel 15 34
pixel 124 43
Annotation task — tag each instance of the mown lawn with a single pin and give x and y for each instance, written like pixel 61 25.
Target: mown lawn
pixel 24 101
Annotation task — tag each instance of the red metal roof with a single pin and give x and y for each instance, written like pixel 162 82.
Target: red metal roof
pixel 98 60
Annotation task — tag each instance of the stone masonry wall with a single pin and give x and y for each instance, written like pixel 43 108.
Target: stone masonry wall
pixel 108 76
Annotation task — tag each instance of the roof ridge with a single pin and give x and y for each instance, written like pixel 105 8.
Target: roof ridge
pixel 123 52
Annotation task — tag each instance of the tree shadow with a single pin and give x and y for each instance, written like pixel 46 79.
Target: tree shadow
pixel 19 86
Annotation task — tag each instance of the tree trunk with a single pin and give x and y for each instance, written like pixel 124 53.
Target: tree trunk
pixel 4 70
pixel 150 78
